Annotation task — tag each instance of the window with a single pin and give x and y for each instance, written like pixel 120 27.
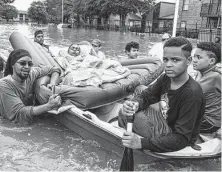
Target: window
pixel 183 24
pixel 186 5
pixel 212 22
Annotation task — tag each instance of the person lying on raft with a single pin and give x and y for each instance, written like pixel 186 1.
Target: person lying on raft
pixel 70 59
pixel 17 87
pixel 176 124
pixel 88 70
pixel 205 58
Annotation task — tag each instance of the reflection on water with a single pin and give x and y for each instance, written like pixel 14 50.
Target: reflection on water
pixel 46 145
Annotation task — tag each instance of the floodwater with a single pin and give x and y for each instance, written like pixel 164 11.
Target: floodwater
pixel 46 145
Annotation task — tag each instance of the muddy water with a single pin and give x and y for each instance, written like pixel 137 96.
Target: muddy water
pixel 46 145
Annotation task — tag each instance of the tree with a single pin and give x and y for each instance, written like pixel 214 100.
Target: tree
pixel 81 12
pixel 9 12
pixel 37 12
pixel 144 7
pixel 99 9
pixel 3 2
pixel 103 8
pixel 54 10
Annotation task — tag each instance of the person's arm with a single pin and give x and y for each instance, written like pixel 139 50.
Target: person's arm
pixel 54 101
pixel 150 95
pixel 12 107
pixel 181 134
pixel 218 83
pixel 140 61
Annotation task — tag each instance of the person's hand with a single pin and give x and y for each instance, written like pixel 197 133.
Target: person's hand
pixel 50 86
pixel 129 108
pixel 45 88
pixel 54 101
pixel 218 134
pixel 131 140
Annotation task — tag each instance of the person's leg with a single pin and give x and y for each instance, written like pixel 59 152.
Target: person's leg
pixel 148 123
pixel 206 127
pixel 42 95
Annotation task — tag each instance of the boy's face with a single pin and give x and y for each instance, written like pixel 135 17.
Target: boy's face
pixel 133 53
pixel 39 38
pixel 201 60
pixel 174 61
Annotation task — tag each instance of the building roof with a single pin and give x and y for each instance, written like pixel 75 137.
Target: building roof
pixel 134 17
pixel 171 1
pixel 171 16
pixel 22 12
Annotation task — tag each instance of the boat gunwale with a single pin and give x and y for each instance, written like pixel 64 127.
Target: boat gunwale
pixel 147 152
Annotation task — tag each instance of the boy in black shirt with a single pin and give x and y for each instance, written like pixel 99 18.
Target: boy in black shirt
pixel 181 101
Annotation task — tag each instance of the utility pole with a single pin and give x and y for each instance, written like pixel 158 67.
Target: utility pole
pixel 62 11
pixel 175 18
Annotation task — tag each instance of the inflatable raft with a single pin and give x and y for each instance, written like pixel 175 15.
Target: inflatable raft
pixel 143 72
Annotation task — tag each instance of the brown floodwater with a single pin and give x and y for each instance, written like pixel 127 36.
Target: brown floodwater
pixel 46 145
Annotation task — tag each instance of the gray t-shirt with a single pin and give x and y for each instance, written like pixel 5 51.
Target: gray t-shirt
pixel 16 99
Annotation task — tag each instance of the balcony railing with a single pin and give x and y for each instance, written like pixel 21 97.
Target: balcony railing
pixel 210 10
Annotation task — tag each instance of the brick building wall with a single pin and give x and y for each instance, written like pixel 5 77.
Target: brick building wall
pixel 191 16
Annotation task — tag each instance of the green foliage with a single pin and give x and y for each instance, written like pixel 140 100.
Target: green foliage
pixel 37 12
pixel 2 2
pixel 54 9
pixel 9 12
pixel 91 9
pixel 145 6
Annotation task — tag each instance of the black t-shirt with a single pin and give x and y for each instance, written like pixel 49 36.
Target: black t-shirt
pixel 183 111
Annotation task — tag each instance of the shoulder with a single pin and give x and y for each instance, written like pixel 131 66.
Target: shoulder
pixel 5 83
pixel 46 46
pixel 164 78
pixel 214 75
pixel 192 90
pixel 162 81
pixel 63 52
pixel 217 80
pixel 217 71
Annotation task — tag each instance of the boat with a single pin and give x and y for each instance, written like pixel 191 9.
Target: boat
pixel 91 127
pixel 94 112
pixel 63 25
